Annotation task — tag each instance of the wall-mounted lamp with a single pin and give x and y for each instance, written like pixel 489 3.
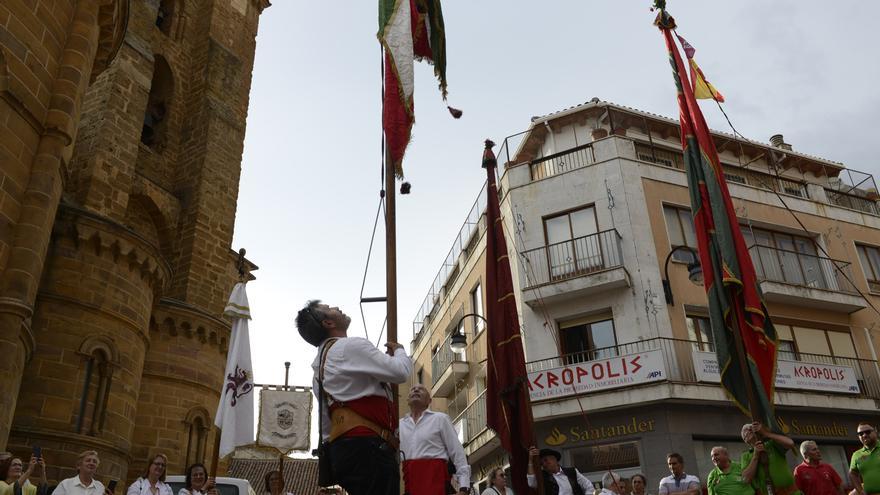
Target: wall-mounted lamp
pixel 458 342
pixel 695 272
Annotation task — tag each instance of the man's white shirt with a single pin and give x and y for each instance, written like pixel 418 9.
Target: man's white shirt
pixel 434 437
pixel 355 368
pixel 669 485
pixel 75 486
pixel 562 480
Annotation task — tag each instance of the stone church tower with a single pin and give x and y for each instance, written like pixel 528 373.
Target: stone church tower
pixel 116 260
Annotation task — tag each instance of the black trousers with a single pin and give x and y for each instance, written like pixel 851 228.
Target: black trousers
pixel 365 466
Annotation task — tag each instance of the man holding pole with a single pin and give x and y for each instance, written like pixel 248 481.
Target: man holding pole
pixel 355 376
pixel 775 472
pixel 427 441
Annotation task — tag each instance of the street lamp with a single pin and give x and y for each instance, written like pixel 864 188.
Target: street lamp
pixel 695 272
pixel 458 342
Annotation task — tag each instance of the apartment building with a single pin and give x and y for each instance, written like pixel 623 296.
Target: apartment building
pixel 614 320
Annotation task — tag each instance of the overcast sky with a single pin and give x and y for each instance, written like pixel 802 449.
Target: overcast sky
pixel 310 174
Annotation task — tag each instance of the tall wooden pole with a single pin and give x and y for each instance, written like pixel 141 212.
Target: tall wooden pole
pixel 391 266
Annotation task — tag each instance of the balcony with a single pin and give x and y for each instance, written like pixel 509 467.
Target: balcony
pixel 472 421
pixel 558 163
pixel 669 363
pixel 852 201
pixel 802 279
pixel 447 368
pixel 574 268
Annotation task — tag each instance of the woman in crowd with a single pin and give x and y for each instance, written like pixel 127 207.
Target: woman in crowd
pixel 153 480
pixel 497 481
pixel 639 484
pixel 275 483
pixel 11 474
pixel 197 482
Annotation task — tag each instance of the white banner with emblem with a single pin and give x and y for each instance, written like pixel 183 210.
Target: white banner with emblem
pixel 285 419
pixel 795 375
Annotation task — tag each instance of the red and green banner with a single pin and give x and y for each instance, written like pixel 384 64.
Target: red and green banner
pixel 508 407
pixel 408 30
pixel 736 304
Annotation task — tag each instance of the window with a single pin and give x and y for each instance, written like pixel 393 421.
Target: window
pixel 816 343
pixel 477 308
pixel 700 332
pixel 588 340
pixel 197 435
pixel 96 391
pixel 870 258
pixel 573 247
pixel 786 350
pixel 788 258
pixel 164 15
pixel 680 227
pixel 156 113
pixel 420 376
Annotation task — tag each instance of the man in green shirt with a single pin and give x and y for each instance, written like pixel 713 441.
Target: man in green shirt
pixel 726 478
pixel 864 467
pixel 776 446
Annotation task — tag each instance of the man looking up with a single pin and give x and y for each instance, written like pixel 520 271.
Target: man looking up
pixel 726 478
pixel 815 477
pixel 679 482
pixel 557 479
pixel 84 483
pixel 864 467
pixel 427 441
pixel 355 377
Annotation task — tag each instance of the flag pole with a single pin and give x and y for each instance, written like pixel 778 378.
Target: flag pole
pixel 391 269
pixel 215 453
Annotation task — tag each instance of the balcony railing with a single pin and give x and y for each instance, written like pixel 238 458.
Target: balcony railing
pixel 472 421
pixel 852 201
pixel 806 270
pixel 678 360
pixel 443 358
pixel 571 259
pixel 464 242
pixel 660 156
pixel 558 163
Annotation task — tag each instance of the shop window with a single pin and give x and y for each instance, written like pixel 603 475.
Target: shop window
pixel 595 461
pixel 573 248
pixel 680 227
pixel 870 259
pixel 477 308
pixel 588 340
pixel 95 392
pixel 700 333
pixel 158 102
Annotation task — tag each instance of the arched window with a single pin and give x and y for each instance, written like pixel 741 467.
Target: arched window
pixel 198 426
pixel 165 16
pixel 158 105
pixel 95 392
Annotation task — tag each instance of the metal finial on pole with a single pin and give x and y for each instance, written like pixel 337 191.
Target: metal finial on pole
pixel 286 374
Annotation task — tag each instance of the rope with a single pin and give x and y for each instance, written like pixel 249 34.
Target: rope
pixel 822 250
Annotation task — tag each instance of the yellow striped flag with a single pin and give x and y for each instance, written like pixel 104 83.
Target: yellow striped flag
pixel 703 89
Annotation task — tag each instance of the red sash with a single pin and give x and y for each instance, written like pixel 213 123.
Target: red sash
pixel 373 407
pixel 425 476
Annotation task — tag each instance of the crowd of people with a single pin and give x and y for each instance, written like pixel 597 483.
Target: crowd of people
pixel 352 382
